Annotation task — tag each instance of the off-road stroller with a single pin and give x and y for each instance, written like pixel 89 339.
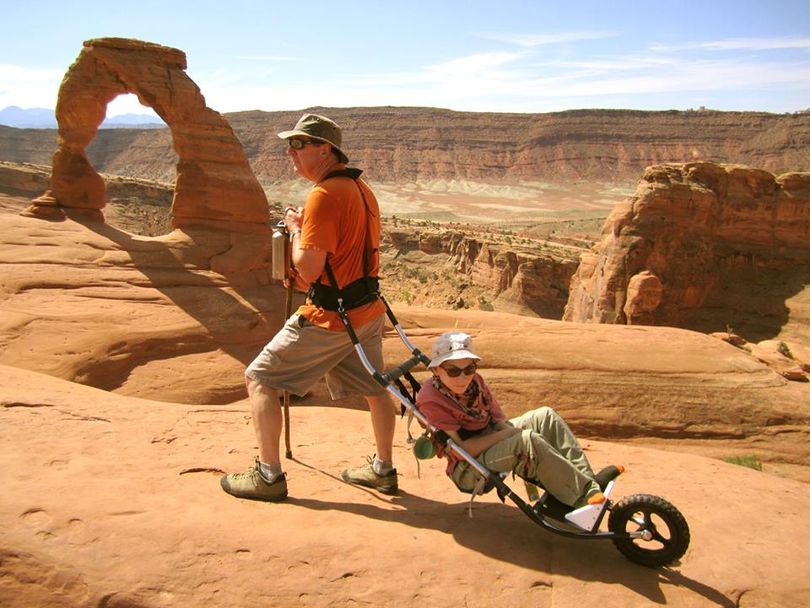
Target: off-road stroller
pixel 646 529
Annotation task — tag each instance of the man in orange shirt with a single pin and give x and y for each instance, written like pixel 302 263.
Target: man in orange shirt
pixel 334 238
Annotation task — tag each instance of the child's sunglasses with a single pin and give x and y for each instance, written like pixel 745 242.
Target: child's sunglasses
pixel 455 372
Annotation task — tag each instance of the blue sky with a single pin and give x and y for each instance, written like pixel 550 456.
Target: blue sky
pixel 500 55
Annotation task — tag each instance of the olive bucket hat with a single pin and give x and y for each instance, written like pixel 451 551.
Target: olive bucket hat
pixel 318 128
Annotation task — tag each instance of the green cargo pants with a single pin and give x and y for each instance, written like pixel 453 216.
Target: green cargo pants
pixel 546 452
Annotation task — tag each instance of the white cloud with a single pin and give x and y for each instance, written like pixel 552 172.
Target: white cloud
pixel 689 76
pixel 128 104
pixel 28 87
pixel 615 64
pixel 520 79
pixel 472 65
pixel 737 44
pixel 505 81
pixel 533 40
pixel 267 58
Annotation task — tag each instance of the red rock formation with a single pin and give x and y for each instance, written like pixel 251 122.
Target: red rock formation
pixel 512 278
pixel 644 293
pixel 728 244
pixel 404 144
pixel 215 185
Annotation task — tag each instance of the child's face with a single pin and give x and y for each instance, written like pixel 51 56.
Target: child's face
pixel 456 374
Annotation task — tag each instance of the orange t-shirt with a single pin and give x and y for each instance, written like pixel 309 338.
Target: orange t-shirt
pixel 337 221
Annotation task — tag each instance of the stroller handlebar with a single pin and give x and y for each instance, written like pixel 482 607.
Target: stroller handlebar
pixel 403 368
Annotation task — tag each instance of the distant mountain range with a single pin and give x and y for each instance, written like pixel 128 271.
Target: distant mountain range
pixel 44 118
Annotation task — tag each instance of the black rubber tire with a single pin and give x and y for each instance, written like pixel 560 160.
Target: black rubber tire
pixel 643 512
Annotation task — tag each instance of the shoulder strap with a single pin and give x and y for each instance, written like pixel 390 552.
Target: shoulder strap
pixel 353 173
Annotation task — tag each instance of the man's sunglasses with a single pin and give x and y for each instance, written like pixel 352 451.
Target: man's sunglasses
pixel 298 144
pixel 455 372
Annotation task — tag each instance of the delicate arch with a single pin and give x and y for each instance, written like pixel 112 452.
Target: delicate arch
pixel 215 185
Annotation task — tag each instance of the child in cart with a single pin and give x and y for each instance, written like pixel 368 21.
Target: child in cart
pixel 537 446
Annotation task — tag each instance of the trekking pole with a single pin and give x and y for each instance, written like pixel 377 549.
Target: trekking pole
pixel 286 394
pixel 282 252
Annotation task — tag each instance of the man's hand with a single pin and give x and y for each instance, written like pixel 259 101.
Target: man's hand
pixel 293 218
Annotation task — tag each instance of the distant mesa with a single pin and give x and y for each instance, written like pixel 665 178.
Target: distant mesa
pixel 429 146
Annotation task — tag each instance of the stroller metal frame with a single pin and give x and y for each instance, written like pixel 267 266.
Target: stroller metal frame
pixel 634 519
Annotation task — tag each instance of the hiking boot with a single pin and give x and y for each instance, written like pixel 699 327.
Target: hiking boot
pixel 366 476
pixel 252 485
pixel 608 474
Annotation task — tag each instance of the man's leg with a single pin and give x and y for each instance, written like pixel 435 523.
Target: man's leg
pixel 267 420
pixel 384 422
pixel 379 473
pixel 267 424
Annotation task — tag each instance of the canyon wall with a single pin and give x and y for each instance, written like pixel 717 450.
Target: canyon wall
pixel 464 269
pixel 701 246
pixel 397 145
pixel 401 144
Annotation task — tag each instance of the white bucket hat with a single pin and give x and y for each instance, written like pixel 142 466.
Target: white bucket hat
pixel 452 345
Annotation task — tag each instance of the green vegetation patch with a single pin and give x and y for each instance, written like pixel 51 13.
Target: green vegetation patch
pixel 750 461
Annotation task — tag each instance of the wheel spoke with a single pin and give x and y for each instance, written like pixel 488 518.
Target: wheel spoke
pixel 657 536
pixel 650 525
pixel 639 521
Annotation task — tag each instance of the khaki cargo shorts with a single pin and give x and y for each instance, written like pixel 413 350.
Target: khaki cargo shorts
pixel 300 354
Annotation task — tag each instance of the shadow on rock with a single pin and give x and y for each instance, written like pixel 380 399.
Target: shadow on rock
pixel 502 533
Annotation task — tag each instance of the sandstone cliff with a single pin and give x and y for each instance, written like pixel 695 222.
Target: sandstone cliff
pixel 415 144
pixel 138 206
pixel 398 144
pixel 469 267
pixel 705 247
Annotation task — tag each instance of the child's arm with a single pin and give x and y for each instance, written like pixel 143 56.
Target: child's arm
pixel 481 443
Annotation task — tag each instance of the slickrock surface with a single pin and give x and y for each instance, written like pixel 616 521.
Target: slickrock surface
pixel 115 501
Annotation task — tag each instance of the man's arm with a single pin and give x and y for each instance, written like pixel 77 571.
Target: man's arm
pixel 308 263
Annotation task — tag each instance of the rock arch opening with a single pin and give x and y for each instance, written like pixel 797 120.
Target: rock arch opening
pixel 132 151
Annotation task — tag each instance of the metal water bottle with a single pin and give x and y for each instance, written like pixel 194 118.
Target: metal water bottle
pixel 279 253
